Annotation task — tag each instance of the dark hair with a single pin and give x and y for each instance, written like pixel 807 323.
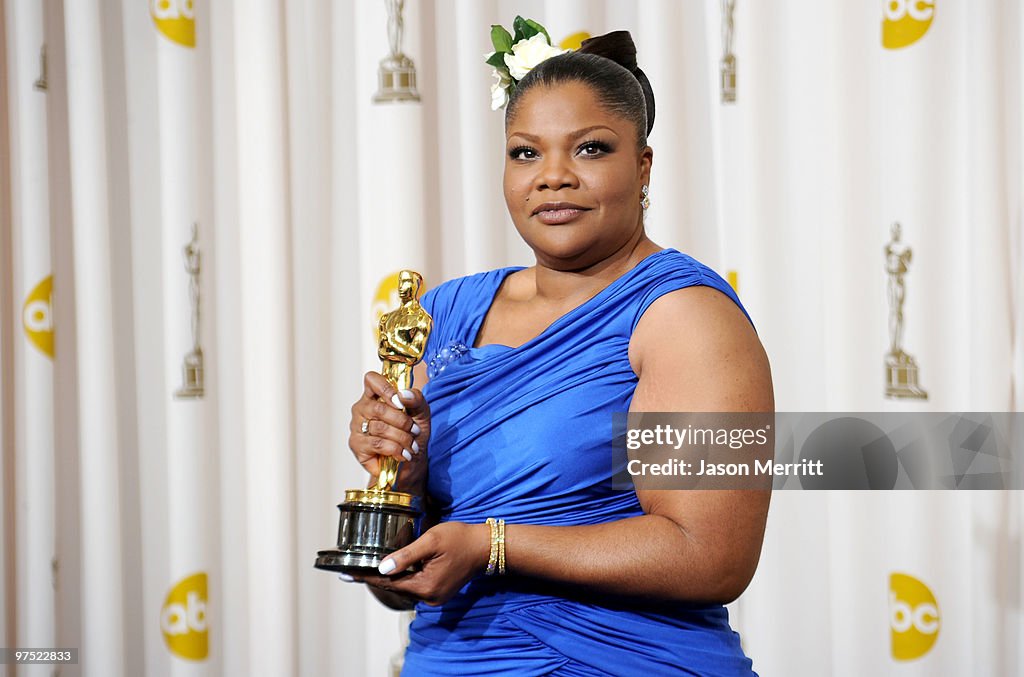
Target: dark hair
pixel 606 64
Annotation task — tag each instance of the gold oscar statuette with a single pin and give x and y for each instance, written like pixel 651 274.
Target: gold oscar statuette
pixel 192 366
pixel 376 522
pixel 727 66
pixel 901 370
pixel 396 75
pixel 41 82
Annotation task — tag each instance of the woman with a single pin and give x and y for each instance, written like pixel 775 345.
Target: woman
pixel 525 367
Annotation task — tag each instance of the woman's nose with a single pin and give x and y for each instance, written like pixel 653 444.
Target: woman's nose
pixel 556 173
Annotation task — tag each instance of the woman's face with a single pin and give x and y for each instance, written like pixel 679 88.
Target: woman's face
pixel 573 176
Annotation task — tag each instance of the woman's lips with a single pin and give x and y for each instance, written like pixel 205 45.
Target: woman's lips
pixel 556 214
pixel 555 217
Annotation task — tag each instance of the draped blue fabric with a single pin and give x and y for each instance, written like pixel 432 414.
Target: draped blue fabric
pixel 525 434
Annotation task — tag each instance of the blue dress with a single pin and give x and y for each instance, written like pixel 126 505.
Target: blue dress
pixel 524 434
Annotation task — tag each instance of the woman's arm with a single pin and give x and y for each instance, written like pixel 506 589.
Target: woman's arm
pixel 693 351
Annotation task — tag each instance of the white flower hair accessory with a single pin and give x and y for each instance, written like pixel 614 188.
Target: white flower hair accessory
pixel 515 56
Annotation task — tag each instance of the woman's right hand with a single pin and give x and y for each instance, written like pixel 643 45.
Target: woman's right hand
pixel 391 430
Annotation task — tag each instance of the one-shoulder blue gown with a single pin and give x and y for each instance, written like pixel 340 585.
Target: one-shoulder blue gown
pixel 525 434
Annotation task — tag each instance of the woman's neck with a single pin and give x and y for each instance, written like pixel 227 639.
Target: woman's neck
pixel 555 285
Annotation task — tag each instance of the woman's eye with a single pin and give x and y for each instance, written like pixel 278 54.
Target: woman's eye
pixel 594 148
pixel 522 153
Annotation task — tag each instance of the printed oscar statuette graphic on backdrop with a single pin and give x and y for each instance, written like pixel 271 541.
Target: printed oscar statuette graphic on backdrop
pixel 376 522
pixel 192 365
pixel 900 368
pixel 904 22
pixel 914 618
pixel 41 83
pixel 727 66
pixel 396 75
pixel 176 20
pixel 183 618
pixel 37 316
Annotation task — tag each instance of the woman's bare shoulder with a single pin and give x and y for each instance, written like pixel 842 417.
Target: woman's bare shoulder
pixel 700 337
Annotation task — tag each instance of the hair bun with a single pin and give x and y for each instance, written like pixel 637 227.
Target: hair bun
pixel 619 47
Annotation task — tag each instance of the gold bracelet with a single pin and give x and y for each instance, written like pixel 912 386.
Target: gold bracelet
pixel 496 560
pixel 501 547
pixel 492 561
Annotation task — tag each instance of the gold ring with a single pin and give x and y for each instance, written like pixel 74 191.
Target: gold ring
pixel 365 428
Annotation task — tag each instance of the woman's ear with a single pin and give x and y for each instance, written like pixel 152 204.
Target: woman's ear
pixel 646 160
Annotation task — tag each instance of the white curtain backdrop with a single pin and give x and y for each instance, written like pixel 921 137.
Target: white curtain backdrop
pixel 165 535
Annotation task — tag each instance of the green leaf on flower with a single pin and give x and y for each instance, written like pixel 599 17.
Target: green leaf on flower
pixel 538 29
pixel 497 60
pixel 501 39
pixel 523 29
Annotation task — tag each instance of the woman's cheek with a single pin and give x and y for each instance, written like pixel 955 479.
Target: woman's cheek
pixel 515 193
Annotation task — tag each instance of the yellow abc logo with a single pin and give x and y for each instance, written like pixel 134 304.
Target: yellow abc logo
pixel 914 618
pixel 905 21
pixel 183 618
pixel 733 278
pixel 574 41
pixel 176 19
pixel 37 316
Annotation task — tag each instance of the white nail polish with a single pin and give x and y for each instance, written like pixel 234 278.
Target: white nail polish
pixel 415 447
pixel 407 395
pixel 346 578
pixel 397 402
pixel 387 566
pixel 415 429
pixel 406 454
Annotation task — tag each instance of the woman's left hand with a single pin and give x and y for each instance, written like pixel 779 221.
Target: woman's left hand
pixel 449 555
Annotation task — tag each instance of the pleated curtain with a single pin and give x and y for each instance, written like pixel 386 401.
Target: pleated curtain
pixel 227 157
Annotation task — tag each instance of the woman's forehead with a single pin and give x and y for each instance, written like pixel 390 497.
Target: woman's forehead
pixel 560 109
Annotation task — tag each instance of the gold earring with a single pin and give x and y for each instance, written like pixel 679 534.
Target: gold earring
pixel 645 201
